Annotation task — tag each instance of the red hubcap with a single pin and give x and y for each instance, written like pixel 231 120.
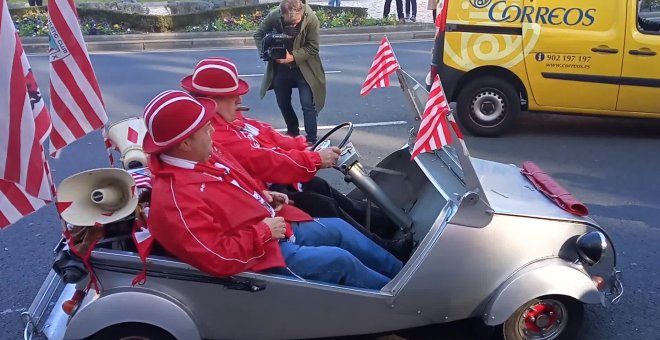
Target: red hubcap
pixel 540 316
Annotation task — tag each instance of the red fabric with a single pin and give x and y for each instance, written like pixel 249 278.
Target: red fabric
pixel 434 129
pixel 74 90
pixel 544 183
pixel 208 217
pixel 266 154
pixel 384 64
pixel 25 183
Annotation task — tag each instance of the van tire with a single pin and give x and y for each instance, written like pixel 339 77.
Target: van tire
pixel 132 330
pixel 488 106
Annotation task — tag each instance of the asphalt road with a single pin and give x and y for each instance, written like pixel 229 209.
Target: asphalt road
pixel 610 164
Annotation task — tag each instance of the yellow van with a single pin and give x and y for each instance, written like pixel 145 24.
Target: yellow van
pixel 497 58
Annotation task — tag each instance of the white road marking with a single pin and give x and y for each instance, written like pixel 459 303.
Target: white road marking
pixel 358 125
pixel 261 74
pixel 10 311
pixel 234 48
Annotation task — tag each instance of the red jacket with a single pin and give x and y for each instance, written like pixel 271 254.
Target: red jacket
pixel 265 153
pixel 211 216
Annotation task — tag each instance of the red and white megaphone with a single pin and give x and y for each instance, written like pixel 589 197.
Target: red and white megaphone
pixel 127 136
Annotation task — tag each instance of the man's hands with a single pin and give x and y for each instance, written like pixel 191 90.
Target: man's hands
pixel 277 226
pixel 289 59
pixel 277 199
pixel 329 156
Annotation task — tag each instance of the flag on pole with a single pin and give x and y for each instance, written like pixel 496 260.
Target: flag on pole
pixel 434 129
pixel 25 181
pixel 384 65
pixel 76 104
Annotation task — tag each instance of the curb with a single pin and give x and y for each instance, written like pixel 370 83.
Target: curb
pixel 205 40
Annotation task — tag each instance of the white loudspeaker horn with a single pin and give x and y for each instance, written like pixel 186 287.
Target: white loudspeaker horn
pixel 127 135
pixel 98 196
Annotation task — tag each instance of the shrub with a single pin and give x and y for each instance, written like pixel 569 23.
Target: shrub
pixel 33 21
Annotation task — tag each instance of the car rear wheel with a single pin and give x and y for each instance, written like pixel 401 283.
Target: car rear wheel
pixel 545 318
pixel 488 106
pixel 133 331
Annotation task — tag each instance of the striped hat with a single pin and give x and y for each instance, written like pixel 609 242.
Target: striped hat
pixel 173 116
pixel 215 77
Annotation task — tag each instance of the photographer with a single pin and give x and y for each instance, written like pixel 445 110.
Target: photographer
pixel 300 66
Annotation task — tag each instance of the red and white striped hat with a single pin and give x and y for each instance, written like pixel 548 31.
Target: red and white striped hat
pixel 215 77
pixel 173 116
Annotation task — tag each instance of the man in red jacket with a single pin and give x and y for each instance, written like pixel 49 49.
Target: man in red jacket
pixel 276 158
pixel 210 213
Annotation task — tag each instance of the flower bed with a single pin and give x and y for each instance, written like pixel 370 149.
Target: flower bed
pixel 33 22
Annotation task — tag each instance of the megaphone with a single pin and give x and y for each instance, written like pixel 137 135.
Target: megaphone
pixel 127 135
pixel 98 196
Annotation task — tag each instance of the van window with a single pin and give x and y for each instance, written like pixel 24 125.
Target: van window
pixel 648 16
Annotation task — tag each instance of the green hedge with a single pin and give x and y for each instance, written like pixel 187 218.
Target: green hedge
pixel 170 23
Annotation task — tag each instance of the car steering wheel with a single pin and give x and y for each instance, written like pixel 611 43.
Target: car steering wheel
pixel 331 132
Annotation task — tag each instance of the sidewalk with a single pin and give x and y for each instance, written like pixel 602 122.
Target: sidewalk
pixel 208 40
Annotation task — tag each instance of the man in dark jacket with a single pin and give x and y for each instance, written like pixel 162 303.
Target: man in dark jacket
pixel 300 68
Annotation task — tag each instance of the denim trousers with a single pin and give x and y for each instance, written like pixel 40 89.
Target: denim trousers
pixel 334 3
pixel 285 80
pixel 330 250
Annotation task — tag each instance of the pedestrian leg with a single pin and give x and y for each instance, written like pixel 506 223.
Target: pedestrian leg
pixel 386 9
pixel 308 107
pixel 413 4
pixel 399 10
pixel 283 90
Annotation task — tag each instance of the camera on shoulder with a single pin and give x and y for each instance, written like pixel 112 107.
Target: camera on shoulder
pixel 273 46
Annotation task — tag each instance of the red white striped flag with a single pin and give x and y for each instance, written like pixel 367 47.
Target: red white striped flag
pixel 25 181
pixel 384 65
pixel 433 130
pixel 76 104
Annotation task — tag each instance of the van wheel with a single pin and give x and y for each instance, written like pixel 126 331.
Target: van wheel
pixel 133 331
pixel 488 106
pixel 546 318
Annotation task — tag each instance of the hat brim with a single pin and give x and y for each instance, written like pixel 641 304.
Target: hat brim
pixel 243 88
pixel 149 145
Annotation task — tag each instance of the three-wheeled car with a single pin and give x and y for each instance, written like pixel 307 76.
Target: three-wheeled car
pixel 494 243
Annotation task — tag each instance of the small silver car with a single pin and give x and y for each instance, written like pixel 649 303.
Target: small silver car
pixel 490 246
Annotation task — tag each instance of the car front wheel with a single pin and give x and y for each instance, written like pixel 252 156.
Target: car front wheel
pixel 545 318
pixel 487 106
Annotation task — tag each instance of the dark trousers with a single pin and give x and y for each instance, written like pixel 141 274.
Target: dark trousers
pixel 35 2
pixel 319 199
pixel 285 80
pixel 410 3
pixel 399 8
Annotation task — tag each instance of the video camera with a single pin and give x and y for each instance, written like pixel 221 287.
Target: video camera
pixel 273 46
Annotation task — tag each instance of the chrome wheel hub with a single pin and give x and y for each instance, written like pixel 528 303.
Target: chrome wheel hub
pixel 543 320
pixel 488 107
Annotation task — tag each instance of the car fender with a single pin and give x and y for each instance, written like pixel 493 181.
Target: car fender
pixel 134 305
pixel 546 277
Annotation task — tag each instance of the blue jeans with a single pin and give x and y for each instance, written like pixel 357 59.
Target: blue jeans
pixel 337 3
pixel 331 250
pixel 285 80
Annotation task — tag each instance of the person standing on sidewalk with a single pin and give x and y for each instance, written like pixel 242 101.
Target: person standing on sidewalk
pixel 334 3
pixel 301 68
pixel 399 10
pixel 413 4
pixel 433 6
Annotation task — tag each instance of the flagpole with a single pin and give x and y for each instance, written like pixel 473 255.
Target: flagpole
pixel 393 54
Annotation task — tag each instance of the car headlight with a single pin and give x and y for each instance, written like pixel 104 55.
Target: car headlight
pixel 591 247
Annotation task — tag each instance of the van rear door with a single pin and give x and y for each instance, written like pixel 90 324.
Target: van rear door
pixel 576 61
pixel 640 79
